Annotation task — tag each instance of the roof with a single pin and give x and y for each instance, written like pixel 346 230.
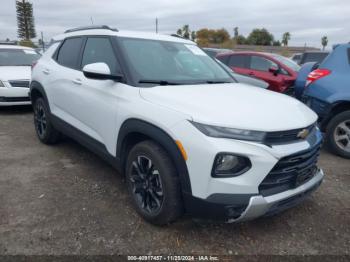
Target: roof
pixel 129 34
pixel 15 47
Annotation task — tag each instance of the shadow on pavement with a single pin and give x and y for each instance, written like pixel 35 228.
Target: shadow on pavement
pixel 15 110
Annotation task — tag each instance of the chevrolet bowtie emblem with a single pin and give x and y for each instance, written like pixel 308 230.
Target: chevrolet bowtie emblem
pixel 303 134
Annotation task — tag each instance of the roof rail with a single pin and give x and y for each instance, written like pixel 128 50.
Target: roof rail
pixel 106 27
pixel 179 36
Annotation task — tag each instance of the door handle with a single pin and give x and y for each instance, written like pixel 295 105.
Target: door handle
pixel 77 81
pixel 46 71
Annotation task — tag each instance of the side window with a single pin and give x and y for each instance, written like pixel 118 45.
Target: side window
pixel 69 52
pixel 261 64
pixel 241 61
pixel 99 50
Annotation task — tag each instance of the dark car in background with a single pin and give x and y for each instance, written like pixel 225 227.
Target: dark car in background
pixel 327 92
pixel 244 79
pixel 278 71
pixel 213 52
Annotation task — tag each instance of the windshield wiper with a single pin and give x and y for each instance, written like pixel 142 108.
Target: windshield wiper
pixel 218 82
pixel 159 82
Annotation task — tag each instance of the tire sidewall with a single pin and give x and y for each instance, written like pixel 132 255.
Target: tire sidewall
pixel 169 180
pixel 330 140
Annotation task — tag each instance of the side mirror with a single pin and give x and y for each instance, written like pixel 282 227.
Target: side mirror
pixel 274 70
pixel 100 71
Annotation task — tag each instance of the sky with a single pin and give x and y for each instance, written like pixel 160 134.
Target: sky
pixel 306 20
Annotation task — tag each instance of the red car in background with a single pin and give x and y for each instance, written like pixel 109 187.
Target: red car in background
pixel 280 72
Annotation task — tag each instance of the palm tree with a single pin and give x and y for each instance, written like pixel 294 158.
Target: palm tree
pixel 324 41
pixel 285 38
pixel 186 31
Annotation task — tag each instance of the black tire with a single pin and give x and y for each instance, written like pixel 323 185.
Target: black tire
pixel 153 183
pixel 45 131
pixel 334 131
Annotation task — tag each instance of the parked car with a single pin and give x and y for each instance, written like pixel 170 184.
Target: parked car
pixel 296 57
pixel 280 72
pixel 187 136
pixel 15 65
pixel 312 56
pixel 327 92
pixel 244 79
pixel 213 52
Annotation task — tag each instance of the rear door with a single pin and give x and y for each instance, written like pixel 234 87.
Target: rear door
pixel 63 74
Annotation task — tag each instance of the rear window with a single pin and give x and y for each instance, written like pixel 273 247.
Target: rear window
pixel 241 61
pixel 69 52
pixel 314 57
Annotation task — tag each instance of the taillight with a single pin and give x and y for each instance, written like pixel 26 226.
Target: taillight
pixel 317 74
pixel 34 64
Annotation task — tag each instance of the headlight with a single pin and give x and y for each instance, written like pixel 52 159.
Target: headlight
pixel 1 84
pixel 229 165
pixel 225 132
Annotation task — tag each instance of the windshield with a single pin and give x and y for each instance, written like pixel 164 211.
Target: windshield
pixel 160 62
pixel 17 57
pixel 288 62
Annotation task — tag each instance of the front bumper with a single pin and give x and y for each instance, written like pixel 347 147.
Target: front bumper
pixel 238 208
pixel 259 206
pixel 11 96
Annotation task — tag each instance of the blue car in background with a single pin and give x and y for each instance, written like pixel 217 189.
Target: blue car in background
pixel 325 88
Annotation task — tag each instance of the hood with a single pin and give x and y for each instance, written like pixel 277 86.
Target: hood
pixel 15 73
pixel 233 105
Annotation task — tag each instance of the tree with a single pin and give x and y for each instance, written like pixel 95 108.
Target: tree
pixel 276 43
pixel 235 33
pixel 241 40
pixel 324 42
pixel 260 37
pixel 193 35
pixel 213 36
pixel 285 38
pixel 184 32
pixel 25 20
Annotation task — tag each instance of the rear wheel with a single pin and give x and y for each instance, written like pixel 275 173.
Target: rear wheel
pixel 153 183
pixel 45 131
pixel 338 134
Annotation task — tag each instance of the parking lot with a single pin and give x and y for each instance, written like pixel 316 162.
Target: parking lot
pixel 64 200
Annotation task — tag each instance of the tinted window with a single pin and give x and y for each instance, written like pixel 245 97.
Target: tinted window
pixel 18 57
pixel 314 57
pixel 241 61
pixel 261 64
pixel 99 50
pixel 349 54
pixel 69 52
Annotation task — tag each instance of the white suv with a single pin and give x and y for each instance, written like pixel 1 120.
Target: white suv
pixel 15 65
pixel 185 134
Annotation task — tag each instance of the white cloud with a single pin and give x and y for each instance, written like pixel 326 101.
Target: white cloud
pixel 307 21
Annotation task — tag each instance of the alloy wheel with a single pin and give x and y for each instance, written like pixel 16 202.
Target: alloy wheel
pixel 40 119
pixel 146 185
pixel 342 135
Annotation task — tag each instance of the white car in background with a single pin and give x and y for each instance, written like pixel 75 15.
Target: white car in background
pixel 15 71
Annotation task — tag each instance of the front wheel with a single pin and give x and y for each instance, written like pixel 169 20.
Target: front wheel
pixel 153 183
pixel 338 134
